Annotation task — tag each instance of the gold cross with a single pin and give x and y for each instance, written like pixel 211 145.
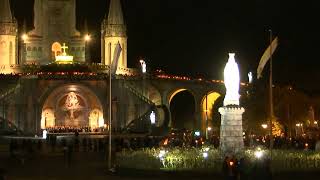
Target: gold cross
pixel 64 47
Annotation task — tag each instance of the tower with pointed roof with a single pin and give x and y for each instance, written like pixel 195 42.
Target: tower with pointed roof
pixel 113 30
pixel 8 39
pixel 54 23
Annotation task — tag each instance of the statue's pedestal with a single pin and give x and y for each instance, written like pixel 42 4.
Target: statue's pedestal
pixel 231 134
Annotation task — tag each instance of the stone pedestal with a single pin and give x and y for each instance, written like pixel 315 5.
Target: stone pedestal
pixel 231 134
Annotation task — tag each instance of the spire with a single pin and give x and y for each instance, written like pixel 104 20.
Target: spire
pixel 5 11
pixel 115 13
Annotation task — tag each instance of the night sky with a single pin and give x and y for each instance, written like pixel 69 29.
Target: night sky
pixel 193 37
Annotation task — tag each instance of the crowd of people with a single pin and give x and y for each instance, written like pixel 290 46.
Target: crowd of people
pixel 71 129
pixel 282 142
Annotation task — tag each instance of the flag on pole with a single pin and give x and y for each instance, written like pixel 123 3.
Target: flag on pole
pixel 116 55
pixel 266 56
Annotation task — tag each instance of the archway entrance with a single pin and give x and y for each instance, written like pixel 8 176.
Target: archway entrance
pixel 72 105
pixel 182 108
pixel 209 110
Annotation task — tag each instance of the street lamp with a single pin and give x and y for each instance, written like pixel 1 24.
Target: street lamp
pixel 87 37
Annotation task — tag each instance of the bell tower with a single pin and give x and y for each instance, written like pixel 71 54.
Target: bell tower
pixel 113 30
pixel 54 22
pixel 8 39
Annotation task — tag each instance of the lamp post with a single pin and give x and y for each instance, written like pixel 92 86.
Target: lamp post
pixel 87 39
pixel 206 116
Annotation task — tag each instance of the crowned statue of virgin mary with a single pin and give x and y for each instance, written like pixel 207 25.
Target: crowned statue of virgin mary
pixel 231 82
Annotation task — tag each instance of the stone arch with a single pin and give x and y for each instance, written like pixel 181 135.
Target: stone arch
pixel 54 100
pixel 172 94
pixel 206 107
pixel 176 91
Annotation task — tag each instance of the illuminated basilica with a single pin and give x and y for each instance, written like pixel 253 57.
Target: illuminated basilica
pixel 47 80
pixel 55 23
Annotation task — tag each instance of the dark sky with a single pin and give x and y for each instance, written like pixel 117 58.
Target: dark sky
pixel 193 37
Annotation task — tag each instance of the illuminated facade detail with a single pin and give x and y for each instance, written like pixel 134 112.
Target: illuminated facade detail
pixel 96 119
pixel 113 30
pixel 47 118
pixel 72 104
pixel 8 39
pixel 54 21
pixel 231 81
pixel 63 58
pixel 56 48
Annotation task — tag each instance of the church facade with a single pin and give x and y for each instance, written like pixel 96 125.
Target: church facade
pixel 38 93
pixel 54 24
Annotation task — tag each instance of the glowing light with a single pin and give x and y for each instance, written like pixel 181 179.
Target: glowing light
pixel 315 122
pixel 258 153
pixel 197 133
pixel 165 142
pixel 264 126
pixel 24 37
pixel 44 134
pixel 231 81
pixel 209 128
pixel 87 37
pixel 101 122
pixel 162 153
pixel 250 77
pixel 205 155
pixel 64 58
pixel 143 66
pixel 231 163
pixel 153 117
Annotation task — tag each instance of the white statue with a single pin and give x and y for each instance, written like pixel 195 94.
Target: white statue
pixel 152 117
pixel 231 81
pixel 143 66
pixel 44 134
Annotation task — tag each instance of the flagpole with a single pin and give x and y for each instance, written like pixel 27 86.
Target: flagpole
pixel 271 97
pixel 110 113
